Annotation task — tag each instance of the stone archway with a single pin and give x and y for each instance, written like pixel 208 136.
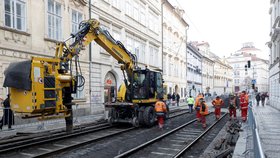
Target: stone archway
pixel 110 87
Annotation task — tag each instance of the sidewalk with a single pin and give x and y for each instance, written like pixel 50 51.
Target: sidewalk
pixel 268 125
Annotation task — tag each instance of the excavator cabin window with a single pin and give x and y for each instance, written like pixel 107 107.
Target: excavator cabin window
pixel 139 86
pixel 146 84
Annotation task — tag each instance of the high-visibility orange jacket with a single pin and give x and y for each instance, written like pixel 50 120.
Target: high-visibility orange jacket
pixel 197 102
pixel 160 106
pixel 218 102
pixel 204 109
pixel 244 101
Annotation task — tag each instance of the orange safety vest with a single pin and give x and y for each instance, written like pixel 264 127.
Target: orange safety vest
pixel 197 103
pixel 160 106
pixel 244 99
pixel 204 111
pixel 217 102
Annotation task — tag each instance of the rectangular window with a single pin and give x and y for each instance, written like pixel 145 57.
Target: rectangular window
pixel 142 52
pixel 137 50
pixel 135 11
pixel 80 90
pixel 142 14
pixel 103 27
pixel 116 35
pixel 136 46
pixel 15 14
pixel 54 20
pixel 129 8
pixel 129 44
pixel 169 68
pixel 77 17
pixel 116 4
pixel 153 22
pixel 151 61
pixel 156 57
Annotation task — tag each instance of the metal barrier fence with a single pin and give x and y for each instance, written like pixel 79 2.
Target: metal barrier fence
pixel 257 147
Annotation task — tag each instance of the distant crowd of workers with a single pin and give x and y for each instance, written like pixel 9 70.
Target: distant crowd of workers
pixel 199 105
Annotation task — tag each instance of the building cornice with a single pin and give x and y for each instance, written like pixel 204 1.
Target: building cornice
pixel 175 13
pixel 204 57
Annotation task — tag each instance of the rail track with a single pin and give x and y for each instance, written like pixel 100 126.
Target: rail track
pixel 174 143
pixel 57 142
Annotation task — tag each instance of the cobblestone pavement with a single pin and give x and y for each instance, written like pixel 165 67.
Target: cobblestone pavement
pixel 268 124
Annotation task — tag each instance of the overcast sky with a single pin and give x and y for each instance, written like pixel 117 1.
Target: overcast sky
pixel 226 24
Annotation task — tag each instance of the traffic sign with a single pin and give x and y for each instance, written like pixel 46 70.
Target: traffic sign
pixel 254 81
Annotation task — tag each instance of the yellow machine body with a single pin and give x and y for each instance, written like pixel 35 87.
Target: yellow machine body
pixel 45 96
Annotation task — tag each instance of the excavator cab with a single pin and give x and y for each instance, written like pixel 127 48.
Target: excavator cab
pixel 146 84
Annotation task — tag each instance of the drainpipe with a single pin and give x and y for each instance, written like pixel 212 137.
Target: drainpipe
pixel 162 35
pixel 90 59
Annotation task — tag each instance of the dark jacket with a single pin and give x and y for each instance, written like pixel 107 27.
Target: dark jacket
pixel 263 97
pixel 169 96
pixel 177 97
pixel 173 97
pixel 258 97
pixel 8 117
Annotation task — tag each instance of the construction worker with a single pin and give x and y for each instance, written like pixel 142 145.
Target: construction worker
pixel 244 101
pixel 160 109
pixel 197 104
pixel 217 103
pixel 190 102
pixel 203 112
pixel 232 107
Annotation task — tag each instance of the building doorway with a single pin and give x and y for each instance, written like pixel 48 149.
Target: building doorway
pixel 110 88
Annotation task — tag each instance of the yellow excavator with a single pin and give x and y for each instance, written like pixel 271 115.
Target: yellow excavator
pixel 42 87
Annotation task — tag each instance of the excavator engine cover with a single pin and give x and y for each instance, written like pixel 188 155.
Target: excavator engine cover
pixel 35 88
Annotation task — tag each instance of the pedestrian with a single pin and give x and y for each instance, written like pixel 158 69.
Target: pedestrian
pixel 169 99
pixel 232 107
pixel 160 109
pixel 217 103
pixel 173 98
pixel 8 115
pixel 258 98
pixel 177 99
pixel 197 105
pixel 203 112
pixel 263 98
pixel 190 102
pixel 244 101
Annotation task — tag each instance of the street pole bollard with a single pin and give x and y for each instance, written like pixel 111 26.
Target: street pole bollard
pixel 76 119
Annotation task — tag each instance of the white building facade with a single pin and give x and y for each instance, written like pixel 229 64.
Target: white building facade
pixel 274 61
pixel 207 67
pixel 194 70
pixel 137 25
pixel 32 28
pixel 223 80
pixel 244 77
pixel 174 49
